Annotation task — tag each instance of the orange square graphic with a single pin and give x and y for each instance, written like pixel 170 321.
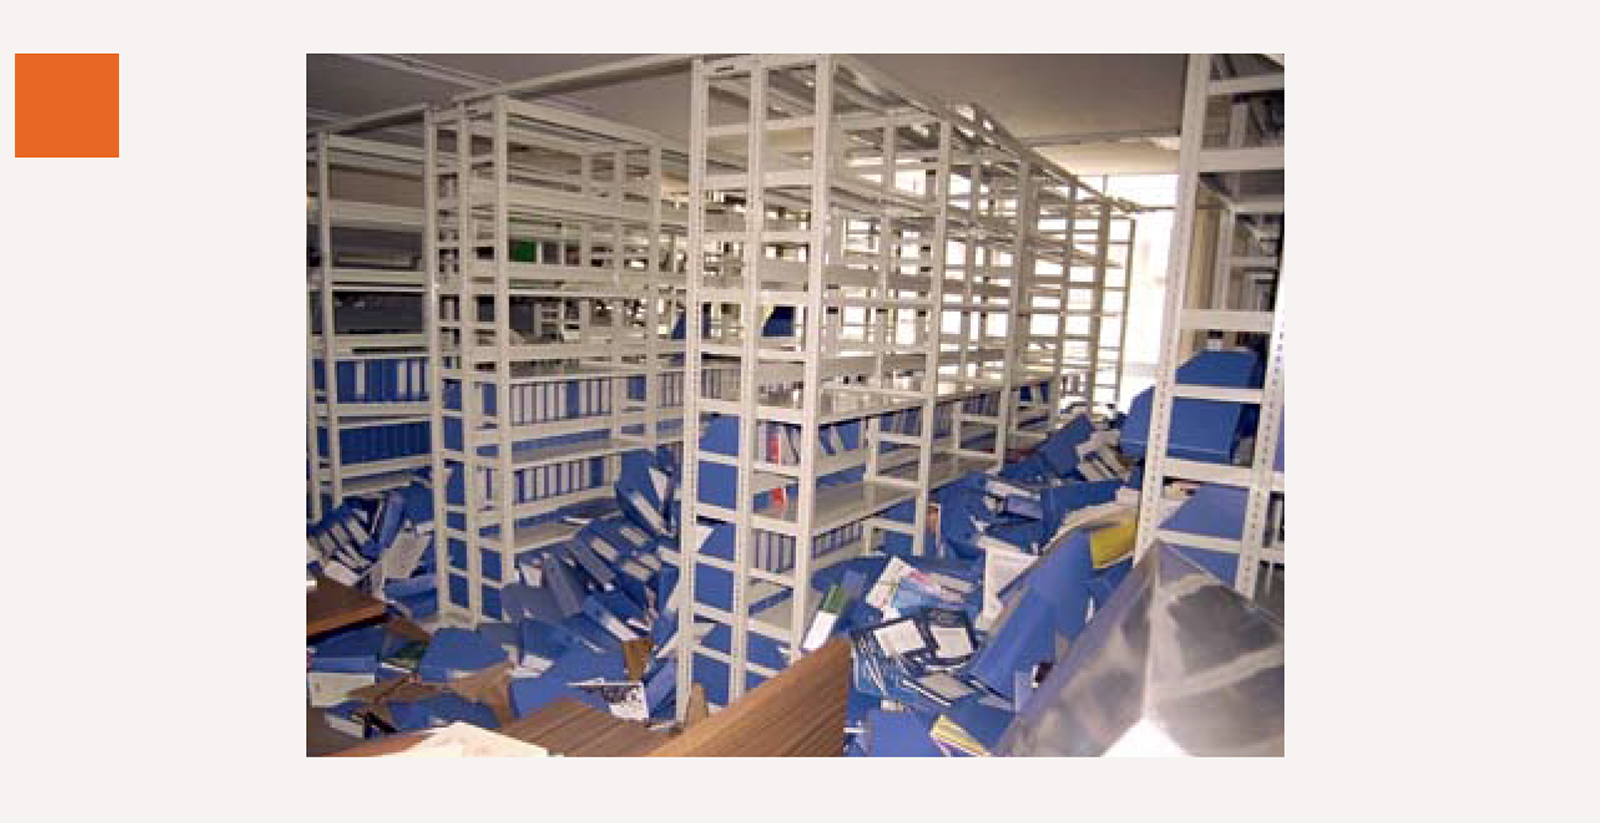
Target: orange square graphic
pixel 67 105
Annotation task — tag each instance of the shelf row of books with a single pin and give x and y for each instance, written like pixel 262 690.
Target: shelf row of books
pixel 376 379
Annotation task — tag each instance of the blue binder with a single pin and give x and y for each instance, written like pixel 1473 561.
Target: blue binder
pixel 581 630
pixel 451 708
pixel 520 601
pixel 355 651
pixel 529 694
pixel 540 642
pixel 589 562
pixel 456 652
pixel 899 734
pixel 1204 430
pixel 564 585
pixel 1212 511
pixel 983 721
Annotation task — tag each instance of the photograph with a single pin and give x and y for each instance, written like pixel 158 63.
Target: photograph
pixel 794 405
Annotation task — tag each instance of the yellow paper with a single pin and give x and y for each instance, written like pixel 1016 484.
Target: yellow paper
pixel 1111 544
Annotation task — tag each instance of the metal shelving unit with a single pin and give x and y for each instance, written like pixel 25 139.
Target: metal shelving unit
pixel 367 373
pixel 902 234
pixel 1069 258
pixel 1116 300
pixel 551 249
pixel 1233 155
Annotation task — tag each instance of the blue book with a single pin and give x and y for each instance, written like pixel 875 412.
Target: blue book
pixel 457 652
pixel 354 652
pixel 980 717
pixel 397 589
pixel 1105 583
pixel 859 707
pixel 899 734
pixel 1212 511
pixel 623 535
pixel 1060 449
pixel 661 686
pixel 1022 506
pixel 590 563
pixel 419 605
pixel 580 629
pixel 1025 638
pixel 523 602
pixel 391 516
pixel 451 707
pixel 623 606
pixel 633 579
pixel 578 663
pixel 951 640
pixel 541 643
pixel 603 617
pixel 504 635
pixel 410 716
pixel 564 586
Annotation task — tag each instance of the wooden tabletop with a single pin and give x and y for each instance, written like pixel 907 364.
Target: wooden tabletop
pixel 568 727
pixel 565 727
pixel 332 605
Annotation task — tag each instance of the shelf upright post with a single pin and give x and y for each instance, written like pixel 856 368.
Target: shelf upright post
pixel 971 240
pixel 1228 220
pixel 1016 325
pixel 1125 305
pixel 1259 499
pixel 330 348
pixel 616 387
pixel 654 376
pixel 684 640
pixel 811 384
pixel 883 326
pixel 434 367
pixel 750 338
pixel 885 315
pixel 475 494
pixel 505 481
pixel 1151 511
pixel 932 347
pixel 1064 382
pixel 313 311
pixel 1102 257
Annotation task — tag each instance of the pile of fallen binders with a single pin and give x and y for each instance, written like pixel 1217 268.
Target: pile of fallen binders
pixel 562 635
pixel 949 649
pixel 949 646
pixel 381 544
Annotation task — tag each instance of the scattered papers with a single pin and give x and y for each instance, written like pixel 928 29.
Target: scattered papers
pixel 625 698
pixel 466 740
pixel 332 688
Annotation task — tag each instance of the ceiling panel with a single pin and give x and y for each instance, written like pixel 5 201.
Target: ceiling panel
pixel 1032 94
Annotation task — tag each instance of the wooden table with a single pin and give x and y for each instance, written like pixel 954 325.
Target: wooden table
pixel 565 727
pixel 801 712
pixel 333 605
pixel 568 727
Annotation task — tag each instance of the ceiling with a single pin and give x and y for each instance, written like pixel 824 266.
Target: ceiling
pixel 1059 100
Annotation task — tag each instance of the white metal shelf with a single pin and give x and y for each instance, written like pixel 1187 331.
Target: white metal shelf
pixel 1246 271
pixel 579 204
pixel 339 269
pixel 878 266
